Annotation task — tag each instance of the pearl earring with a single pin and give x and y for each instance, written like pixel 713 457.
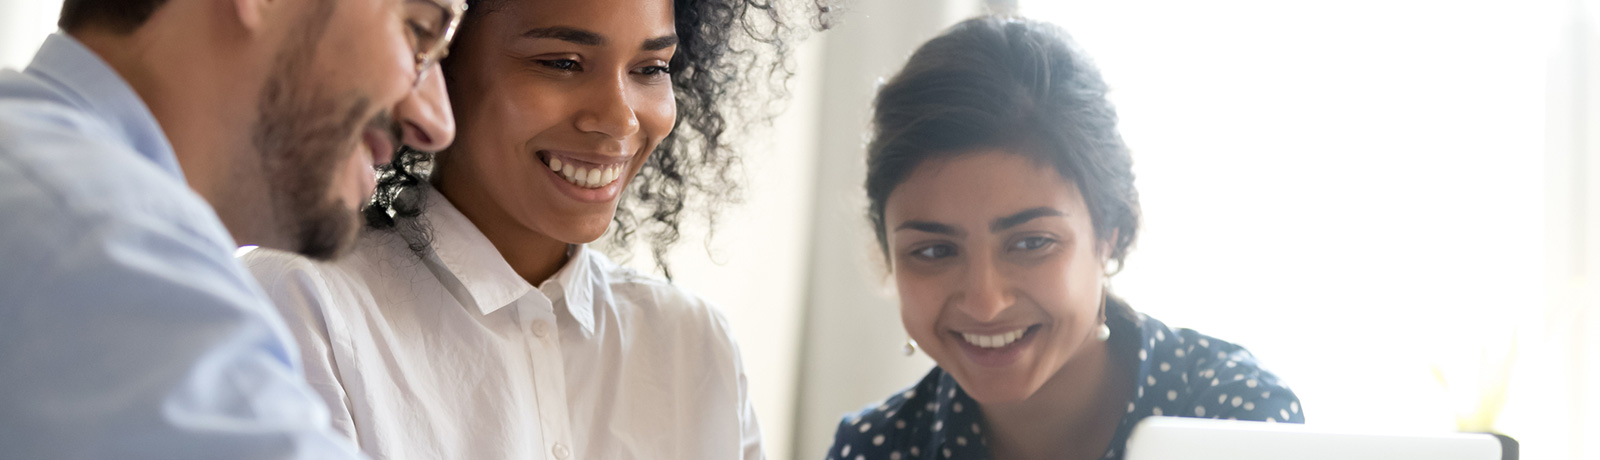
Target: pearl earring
pixel 910 347
pixel 1104 333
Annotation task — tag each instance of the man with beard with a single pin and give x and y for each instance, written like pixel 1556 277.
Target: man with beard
pixel 142 146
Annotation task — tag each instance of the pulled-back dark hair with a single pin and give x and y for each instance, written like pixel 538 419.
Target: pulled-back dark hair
pixel 719 58
pixel 119 16
pixel 1011 84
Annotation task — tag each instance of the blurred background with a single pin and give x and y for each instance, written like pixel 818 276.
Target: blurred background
pixel 1394 203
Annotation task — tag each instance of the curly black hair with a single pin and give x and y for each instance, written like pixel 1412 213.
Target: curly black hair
pixel 726 49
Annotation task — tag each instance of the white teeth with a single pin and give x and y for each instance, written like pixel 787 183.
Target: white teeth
pixel 586 177
pixel 994 341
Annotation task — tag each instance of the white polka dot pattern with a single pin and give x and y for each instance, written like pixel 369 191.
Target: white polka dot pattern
pixel 1227 384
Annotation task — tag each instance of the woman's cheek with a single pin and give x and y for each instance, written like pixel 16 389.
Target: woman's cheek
pixel 657 116
pixel 919 304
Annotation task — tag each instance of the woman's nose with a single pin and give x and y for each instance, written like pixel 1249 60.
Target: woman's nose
pixel 608 110
pixel 986 294
pixel 426 122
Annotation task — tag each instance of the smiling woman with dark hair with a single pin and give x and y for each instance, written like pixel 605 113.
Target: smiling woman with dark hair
pixel 473 321
pixel 716 61
pixel 1002 195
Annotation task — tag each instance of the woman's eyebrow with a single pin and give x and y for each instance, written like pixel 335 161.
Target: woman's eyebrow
pixel 1023 217
pixel 567 34
pixel 660 43
pixel 931 227
pixel 587 38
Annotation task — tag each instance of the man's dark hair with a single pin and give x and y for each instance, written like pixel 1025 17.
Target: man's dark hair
pixel 118 16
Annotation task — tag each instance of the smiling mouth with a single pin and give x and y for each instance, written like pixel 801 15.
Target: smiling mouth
pixel 583 174
pixel 998 340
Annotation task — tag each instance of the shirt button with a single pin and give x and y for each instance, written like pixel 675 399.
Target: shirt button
pixel 541 329
pixel 561 452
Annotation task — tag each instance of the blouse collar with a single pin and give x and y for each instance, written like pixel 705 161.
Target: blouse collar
pixel 474 262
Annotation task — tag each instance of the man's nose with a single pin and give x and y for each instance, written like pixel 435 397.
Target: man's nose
pixel 426 122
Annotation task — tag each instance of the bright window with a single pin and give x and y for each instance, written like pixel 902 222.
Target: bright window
pixel 1355 190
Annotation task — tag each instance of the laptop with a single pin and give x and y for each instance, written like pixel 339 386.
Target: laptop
pixel 1175 438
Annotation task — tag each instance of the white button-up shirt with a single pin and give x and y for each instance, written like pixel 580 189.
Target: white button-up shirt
pixel 452 355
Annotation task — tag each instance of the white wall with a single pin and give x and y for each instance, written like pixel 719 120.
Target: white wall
pixel 23 26
pixel 1555 402
pixel 753 267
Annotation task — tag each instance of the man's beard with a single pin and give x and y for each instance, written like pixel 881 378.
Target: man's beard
pixel 304 136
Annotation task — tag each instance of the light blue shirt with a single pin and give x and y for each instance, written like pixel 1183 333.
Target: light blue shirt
pixel 127 329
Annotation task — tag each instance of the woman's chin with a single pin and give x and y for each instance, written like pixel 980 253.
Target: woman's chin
pixel 581 224
pixel 991 387
pixel 992 393
pixel 579 229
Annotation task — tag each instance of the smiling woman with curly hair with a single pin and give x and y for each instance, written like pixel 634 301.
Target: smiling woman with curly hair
pixel 472 320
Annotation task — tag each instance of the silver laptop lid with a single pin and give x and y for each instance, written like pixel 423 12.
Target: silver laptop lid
pixel 1174 438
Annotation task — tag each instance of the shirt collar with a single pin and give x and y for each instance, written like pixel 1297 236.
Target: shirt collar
pixel 88 83
pixel 493 284
pixel 574 285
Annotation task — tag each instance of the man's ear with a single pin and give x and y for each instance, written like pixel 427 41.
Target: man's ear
pixel 252 14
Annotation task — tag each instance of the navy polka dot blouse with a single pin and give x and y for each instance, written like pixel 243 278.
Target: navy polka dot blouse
pixel 1181 373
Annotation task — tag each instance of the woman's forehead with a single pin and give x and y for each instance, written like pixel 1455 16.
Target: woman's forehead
pixel 981 186
pixel 645 17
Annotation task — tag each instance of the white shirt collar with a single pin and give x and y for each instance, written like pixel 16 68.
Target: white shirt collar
pixel 574 285
pixel 493 284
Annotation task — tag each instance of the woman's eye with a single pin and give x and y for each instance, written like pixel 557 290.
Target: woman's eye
pixel 566 65
pixel 417 35
pixel 422 32
pixel 934 252
pixel 1032 243
pixel 655 70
